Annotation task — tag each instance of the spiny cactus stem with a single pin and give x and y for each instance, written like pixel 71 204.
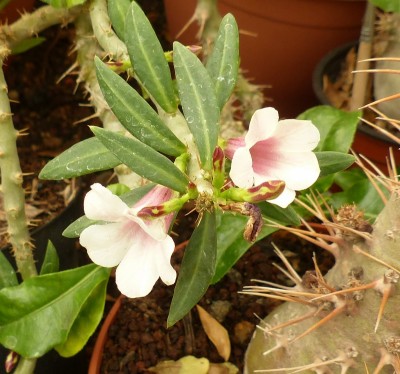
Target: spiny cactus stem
pixel 11 184
pixel 103 32
pixel 30 24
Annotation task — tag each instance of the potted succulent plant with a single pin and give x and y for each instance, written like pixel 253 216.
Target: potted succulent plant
pixel 168 154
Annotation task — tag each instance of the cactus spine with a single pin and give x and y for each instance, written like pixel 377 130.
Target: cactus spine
pixel 346 321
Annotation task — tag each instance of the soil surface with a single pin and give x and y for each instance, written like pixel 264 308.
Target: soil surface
pixel 138 339
pixel 47 113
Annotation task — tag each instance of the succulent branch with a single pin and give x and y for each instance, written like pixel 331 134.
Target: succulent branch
pixel 345 320
pixel 11 188
pixel 30 24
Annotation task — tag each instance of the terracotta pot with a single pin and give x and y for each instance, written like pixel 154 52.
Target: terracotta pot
pixel 291 37
pixel 368 142
pixel 97 355
pixel 12 11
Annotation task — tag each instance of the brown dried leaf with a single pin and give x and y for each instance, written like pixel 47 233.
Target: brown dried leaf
pixel 216 333
pixel 185 365
pixel 224 368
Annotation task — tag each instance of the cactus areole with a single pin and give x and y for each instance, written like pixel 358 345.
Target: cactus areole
pixel 346 321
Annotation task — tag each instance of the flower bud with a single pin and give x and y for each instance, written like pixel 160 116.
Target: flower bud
pixel 219 168
pixel 11 361
pixel 168 207
pixel 254 223
pixel 264 191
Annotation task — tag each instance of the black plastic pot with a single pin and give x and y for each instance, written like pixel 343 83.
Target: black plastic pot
pixel 69 254
pixel 368 142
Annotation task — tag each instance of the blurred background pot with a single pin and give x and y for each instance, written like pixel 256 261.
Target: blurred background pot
pixel 281 41
pixel 368 141
pixel 14 8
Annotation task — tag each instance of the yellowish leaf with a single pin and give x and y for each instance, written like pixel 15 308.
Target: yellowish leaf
pixel 185 365
pixel 216 333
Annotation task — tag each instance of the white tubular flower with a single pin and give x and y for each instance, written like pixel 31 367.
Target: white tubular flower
pixel 275 150
pixel 140 248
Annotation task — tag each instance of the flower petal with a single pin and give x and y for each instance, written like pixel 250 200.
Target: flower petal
pixel 298 170
pixel 285 198
pixel 139 270
pixel 294 135
pixel 101 204
pixel 106 244
pixel 232 145
pixel 262 125
pixel 165 270
pixel 241 172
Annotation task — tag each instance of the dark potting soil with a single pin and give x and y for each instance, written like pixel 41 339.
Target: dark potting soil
pixel 46 112
pixel 138 339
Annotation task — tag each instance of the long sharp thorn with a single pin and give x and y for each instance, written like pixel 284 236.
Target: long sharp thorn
pixel 385 297
pixel 290 268
pixel 331 315
pixel 357 249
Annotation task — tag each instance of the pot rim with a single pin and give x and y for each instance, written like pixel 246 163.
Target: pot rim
pixel 322 68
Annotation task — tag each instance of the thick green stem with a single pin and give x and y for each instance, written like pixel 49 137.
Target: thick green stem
pixel 30 24
pixel 11 185
pixel 88 47
pixel 26 366
pixel 104 33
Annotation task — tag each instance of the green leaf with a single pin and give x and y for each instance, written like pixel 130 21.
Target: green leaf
pixel 231 243
pixel 51 262
pixel 148 60
pixel 117 11
pixel 44 308
pixel 86 323
pixel 223 62
pixel 332 162
pixel 75 228
pixel 64 3
pixel 337 127
pixel 387 5
pixel 285 216
pixel 135 114
pixel 85 157
pixel 8 277
pixel 26 45
pixel 197 269
pixel 143 160
pixel 199 103
pixel 364 195
pixel 348 178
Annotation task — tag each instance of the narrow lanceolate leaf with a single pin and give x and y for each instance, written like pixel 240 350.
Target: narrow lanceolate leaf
pixel 223 62
pixel 85 157
pixel 130 198
pixel 135 114
pixel 51 262
pixel 44 309
pixel 148 60
pixel 197 269
pixel 199 103
pixel 8 277
pixel 143 160
pixel 332 162
pixel 117 10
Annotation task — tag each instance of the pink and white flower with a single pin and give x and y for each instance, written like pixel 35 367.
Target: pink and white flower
pixel 275 150
pixel 141 249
